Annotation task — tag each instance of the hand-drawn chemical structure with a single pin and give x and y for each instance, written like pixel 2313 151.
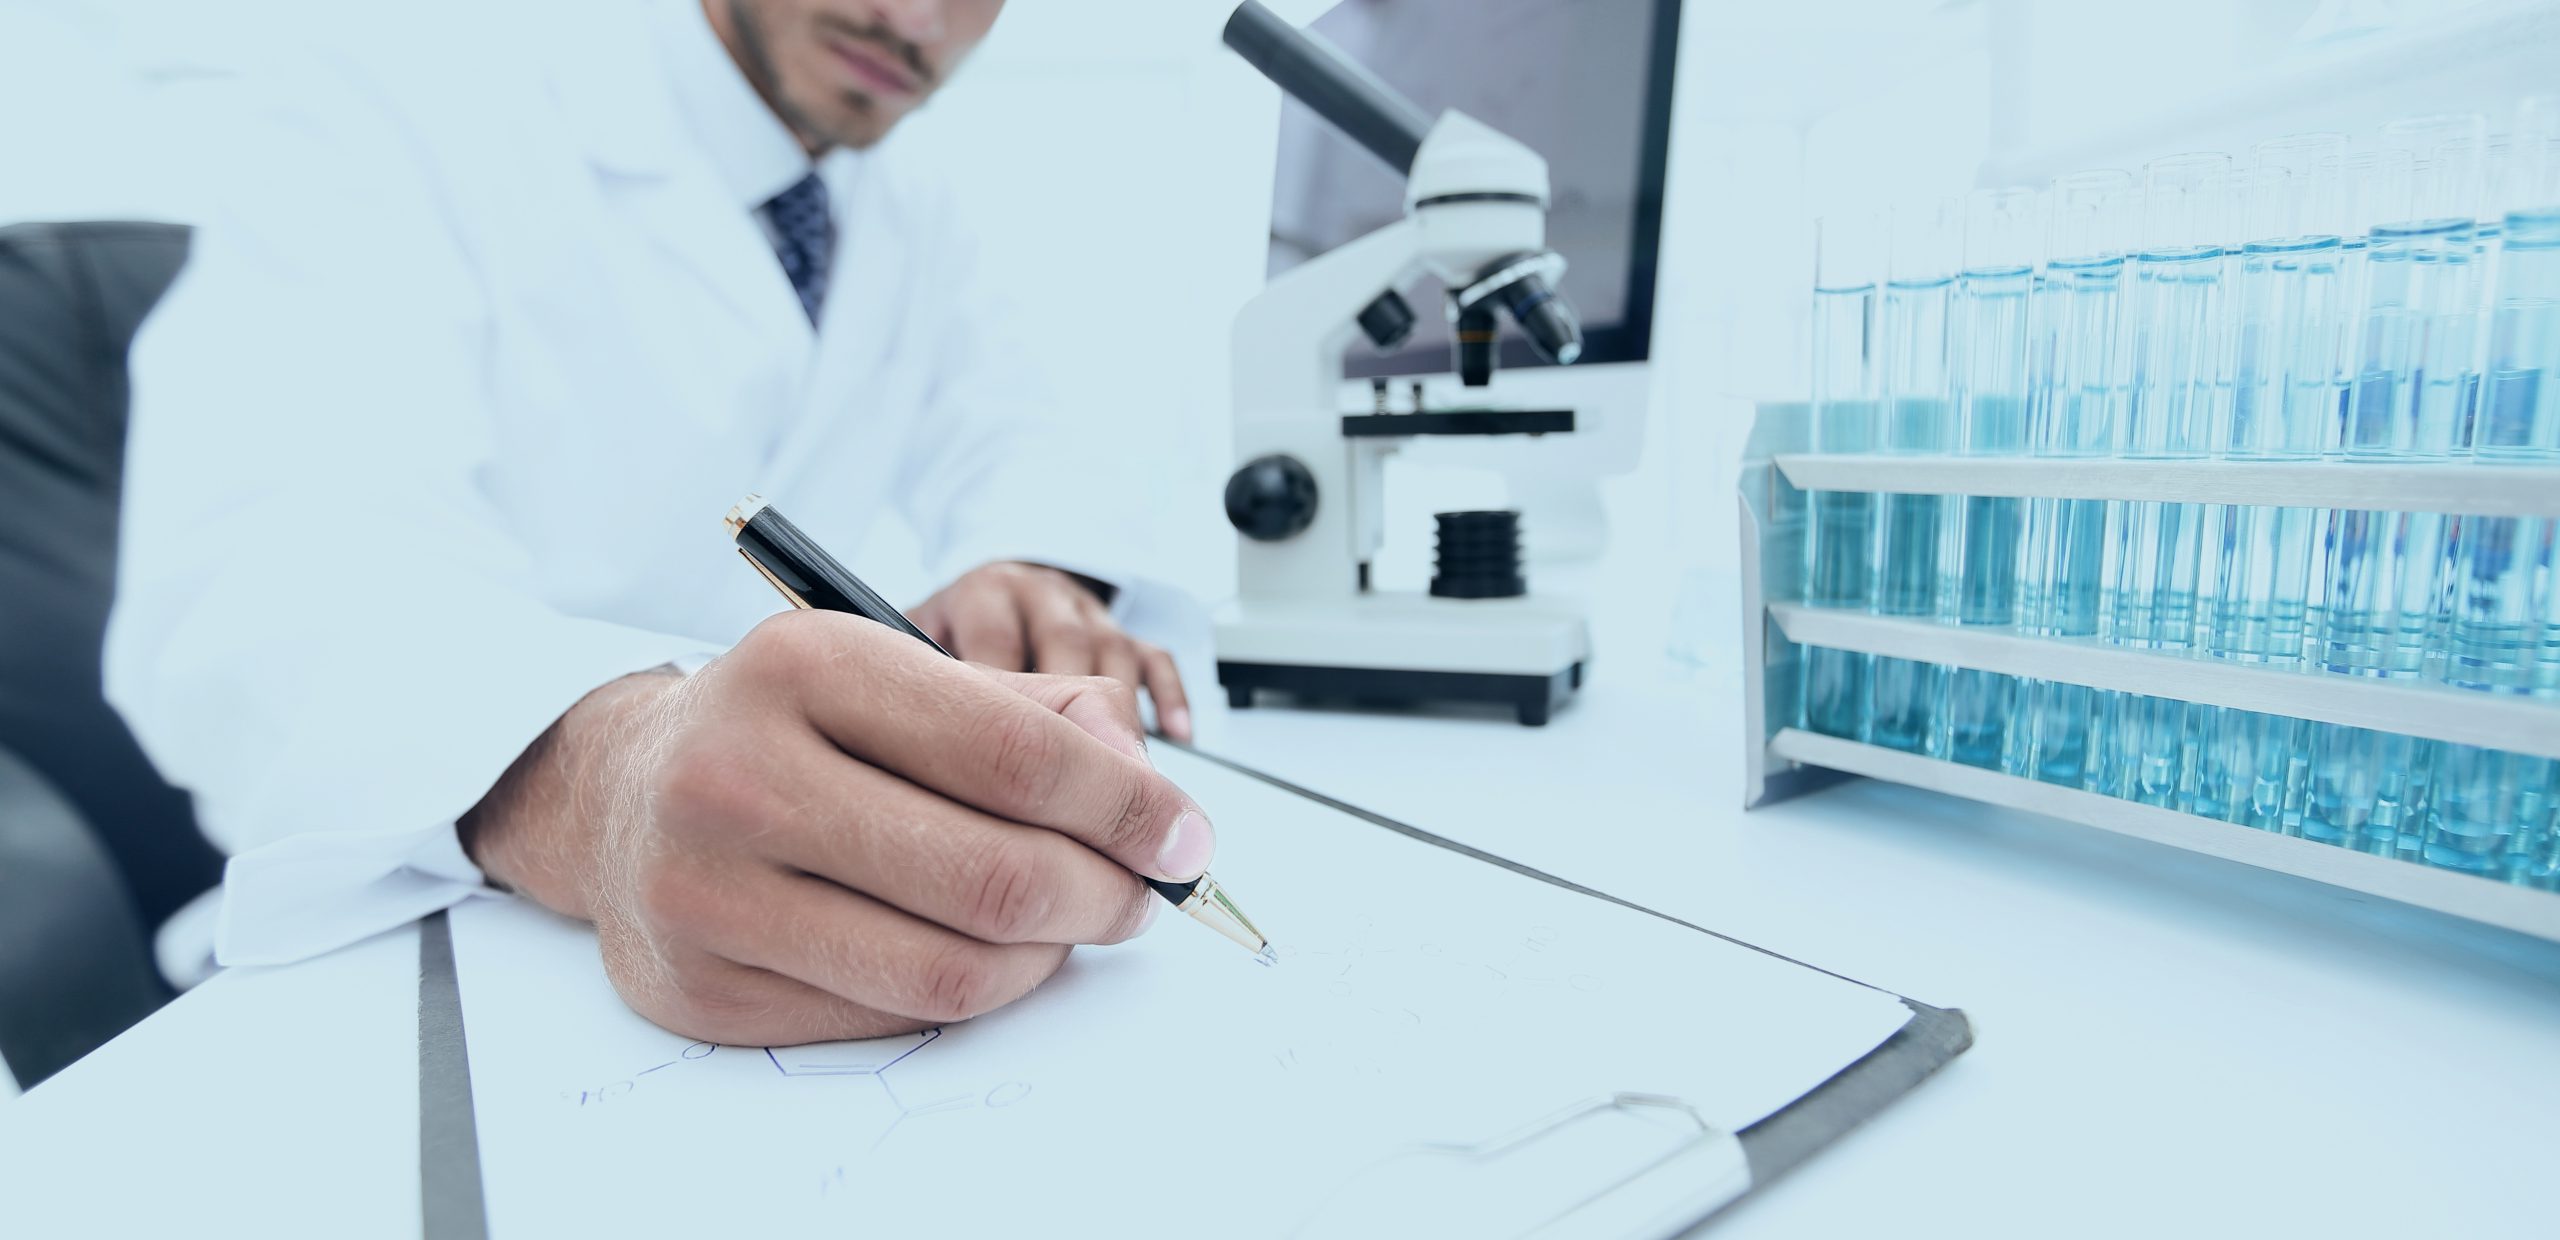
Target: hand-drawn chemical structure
pixel 872 1058
pixel 615 1089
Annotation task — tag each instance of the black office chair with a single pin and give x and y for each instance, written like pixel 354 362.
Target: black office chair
pixel 96 850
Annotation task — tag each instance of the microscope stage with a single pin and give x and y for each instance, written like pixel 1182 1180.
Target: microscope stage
pixel 1401 649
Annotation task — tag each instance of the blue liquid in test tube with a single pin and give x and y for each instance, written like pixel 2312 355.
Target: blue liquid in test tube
pixel 1841 547
pixel 1988 339
pixel 1918 419
pixel 2413 378
pixel 2490 810
pixel 2289 304
pixel 2492 645
pixel 2180 389
pixel 2079 388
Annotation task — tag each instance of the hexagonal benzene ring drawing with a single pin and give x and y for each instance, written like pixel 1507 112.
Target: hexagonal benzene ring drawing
pixel 869 1057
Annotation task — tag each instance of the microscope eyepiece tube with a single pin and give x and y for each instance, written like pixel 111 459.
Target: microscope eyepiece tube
pixel 1317 74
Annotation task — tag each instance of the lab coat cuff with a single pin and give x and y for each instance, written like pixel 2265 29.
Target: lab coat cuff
pixel 321 890
pixel 317 890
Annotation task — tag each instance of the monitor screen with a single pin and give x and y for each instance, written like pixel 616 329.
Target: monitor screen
pixel 1585 83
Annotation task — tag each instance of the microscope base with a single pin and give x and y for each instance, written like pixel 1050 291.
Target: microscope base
pixel 1403 650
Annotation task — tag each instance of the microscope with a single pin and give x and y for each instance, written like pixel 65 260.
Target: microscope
pixel 1306 497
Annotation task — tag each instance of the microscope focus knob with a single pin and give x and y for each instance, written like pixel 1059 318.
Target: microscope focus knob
pixel 1387 321
pixel 1271 498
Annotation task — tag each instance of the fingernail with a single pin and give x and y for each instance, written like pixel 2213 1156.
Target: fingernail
pixel 1186 850
pixel 1177 723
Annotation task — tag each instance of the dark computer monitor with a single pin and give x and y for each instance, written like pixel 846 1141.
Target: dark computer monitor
pixel 1585 83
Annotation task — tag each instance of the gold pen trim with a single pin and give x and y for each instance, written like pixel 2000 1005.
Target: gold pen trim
pixel 767 574
pixel 1210 905
pixel 744 511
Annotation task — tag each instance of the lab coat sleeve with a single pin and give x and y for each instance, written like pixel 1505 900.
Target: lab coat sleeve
pixel 323 629
pixel 1003 468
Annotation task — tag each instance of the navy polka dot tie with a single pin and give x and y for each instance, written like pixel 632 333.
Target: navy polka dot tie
pixel 804 238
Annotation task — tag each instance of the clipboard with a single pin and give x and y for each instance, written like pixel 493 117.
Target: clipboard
pixel 1616 1165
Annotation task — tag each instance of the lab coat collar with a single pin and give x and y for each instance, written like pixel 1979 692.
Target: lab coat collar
pixel 611 81
pixel 755 154
pixel 608 80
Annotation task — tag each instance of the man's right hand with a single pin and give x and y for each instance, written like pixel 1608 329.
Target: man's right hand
pixel 834 832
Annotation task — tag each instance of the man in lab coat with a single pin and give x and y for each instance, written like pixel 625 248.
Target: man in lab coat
pixel 501 305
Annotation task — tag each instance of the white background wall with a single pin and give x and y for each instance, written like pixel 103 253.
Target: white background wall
pixel 1122 162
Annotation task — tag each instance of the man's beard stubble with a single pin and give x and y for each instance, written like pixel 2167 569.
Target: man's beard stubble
pixel 755 54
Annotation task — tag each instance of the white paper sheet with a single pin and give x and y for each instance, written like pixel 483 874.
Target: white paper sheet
pixel 1170 1084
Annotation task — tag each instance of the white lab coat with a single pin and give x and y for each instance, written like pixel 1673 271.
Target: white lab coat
pixel 434 434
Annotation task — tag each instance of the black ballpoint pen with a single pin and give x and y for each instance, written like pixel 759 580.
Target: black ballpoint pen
pixel 813 580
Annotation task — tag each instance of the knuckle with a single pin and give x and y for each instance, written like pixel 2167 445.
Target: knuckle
pixel 1010 899
pixel 673 896
pixel 785 644
pixel 1145 811
pixel 719 1009
pixel 703 784
pixel 958 982
pixel 1019 754
pixel 1118 694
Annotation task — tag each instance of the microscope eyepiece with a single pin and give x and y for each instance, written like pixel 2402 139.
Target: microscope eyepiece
pixel 1336 87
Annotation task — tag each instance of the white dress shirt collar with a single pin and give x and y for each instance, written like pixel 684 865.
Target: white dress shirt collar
pixel 754 154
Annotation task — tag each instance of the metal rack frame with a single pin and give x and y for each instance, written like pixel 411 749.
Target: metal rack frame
pixel 1786 761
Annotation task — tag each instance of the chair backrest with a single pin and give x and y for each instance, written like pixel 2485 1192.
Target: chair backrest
pixel 71 297
pixel 75 963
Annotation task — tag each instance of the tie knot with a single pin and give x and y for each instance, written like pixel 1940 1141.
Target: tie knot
pixel 803 206
pixel 803 238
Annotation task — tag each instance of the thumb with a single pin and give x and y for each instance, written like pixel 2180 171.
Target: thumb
pixel 1105 709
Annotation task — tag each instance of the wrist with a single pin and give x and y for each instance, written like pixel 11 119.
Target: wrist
pixel 538 829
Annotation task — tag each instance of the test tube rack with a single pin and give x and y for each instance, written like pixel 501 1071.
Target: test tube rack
pixel 1779 470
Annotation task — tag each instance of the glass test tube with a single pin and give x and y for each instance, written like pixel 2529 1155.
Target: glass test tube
pixel 1840 547
pixel 2079 387
pixel 1988 341
pixel 2534 332
pixel 2492 645
pixel 1918 419
pixel 2413 375
pixel 2289 304
pixel 2180 390
pixel 2488 811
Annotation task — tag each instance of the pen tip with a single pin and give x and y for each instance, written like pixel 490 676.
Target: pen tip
pixel 1268 956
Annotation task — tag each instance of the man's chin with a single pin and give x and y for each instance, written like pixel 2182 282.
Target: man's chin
pixel 860 121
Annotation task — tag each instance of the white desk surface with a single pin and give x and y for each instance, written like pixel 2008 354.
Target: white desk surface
pixel 2166 1042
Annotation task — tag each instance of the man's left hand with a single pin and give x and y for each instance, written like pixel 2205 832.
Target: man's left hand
pixel 1032 618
